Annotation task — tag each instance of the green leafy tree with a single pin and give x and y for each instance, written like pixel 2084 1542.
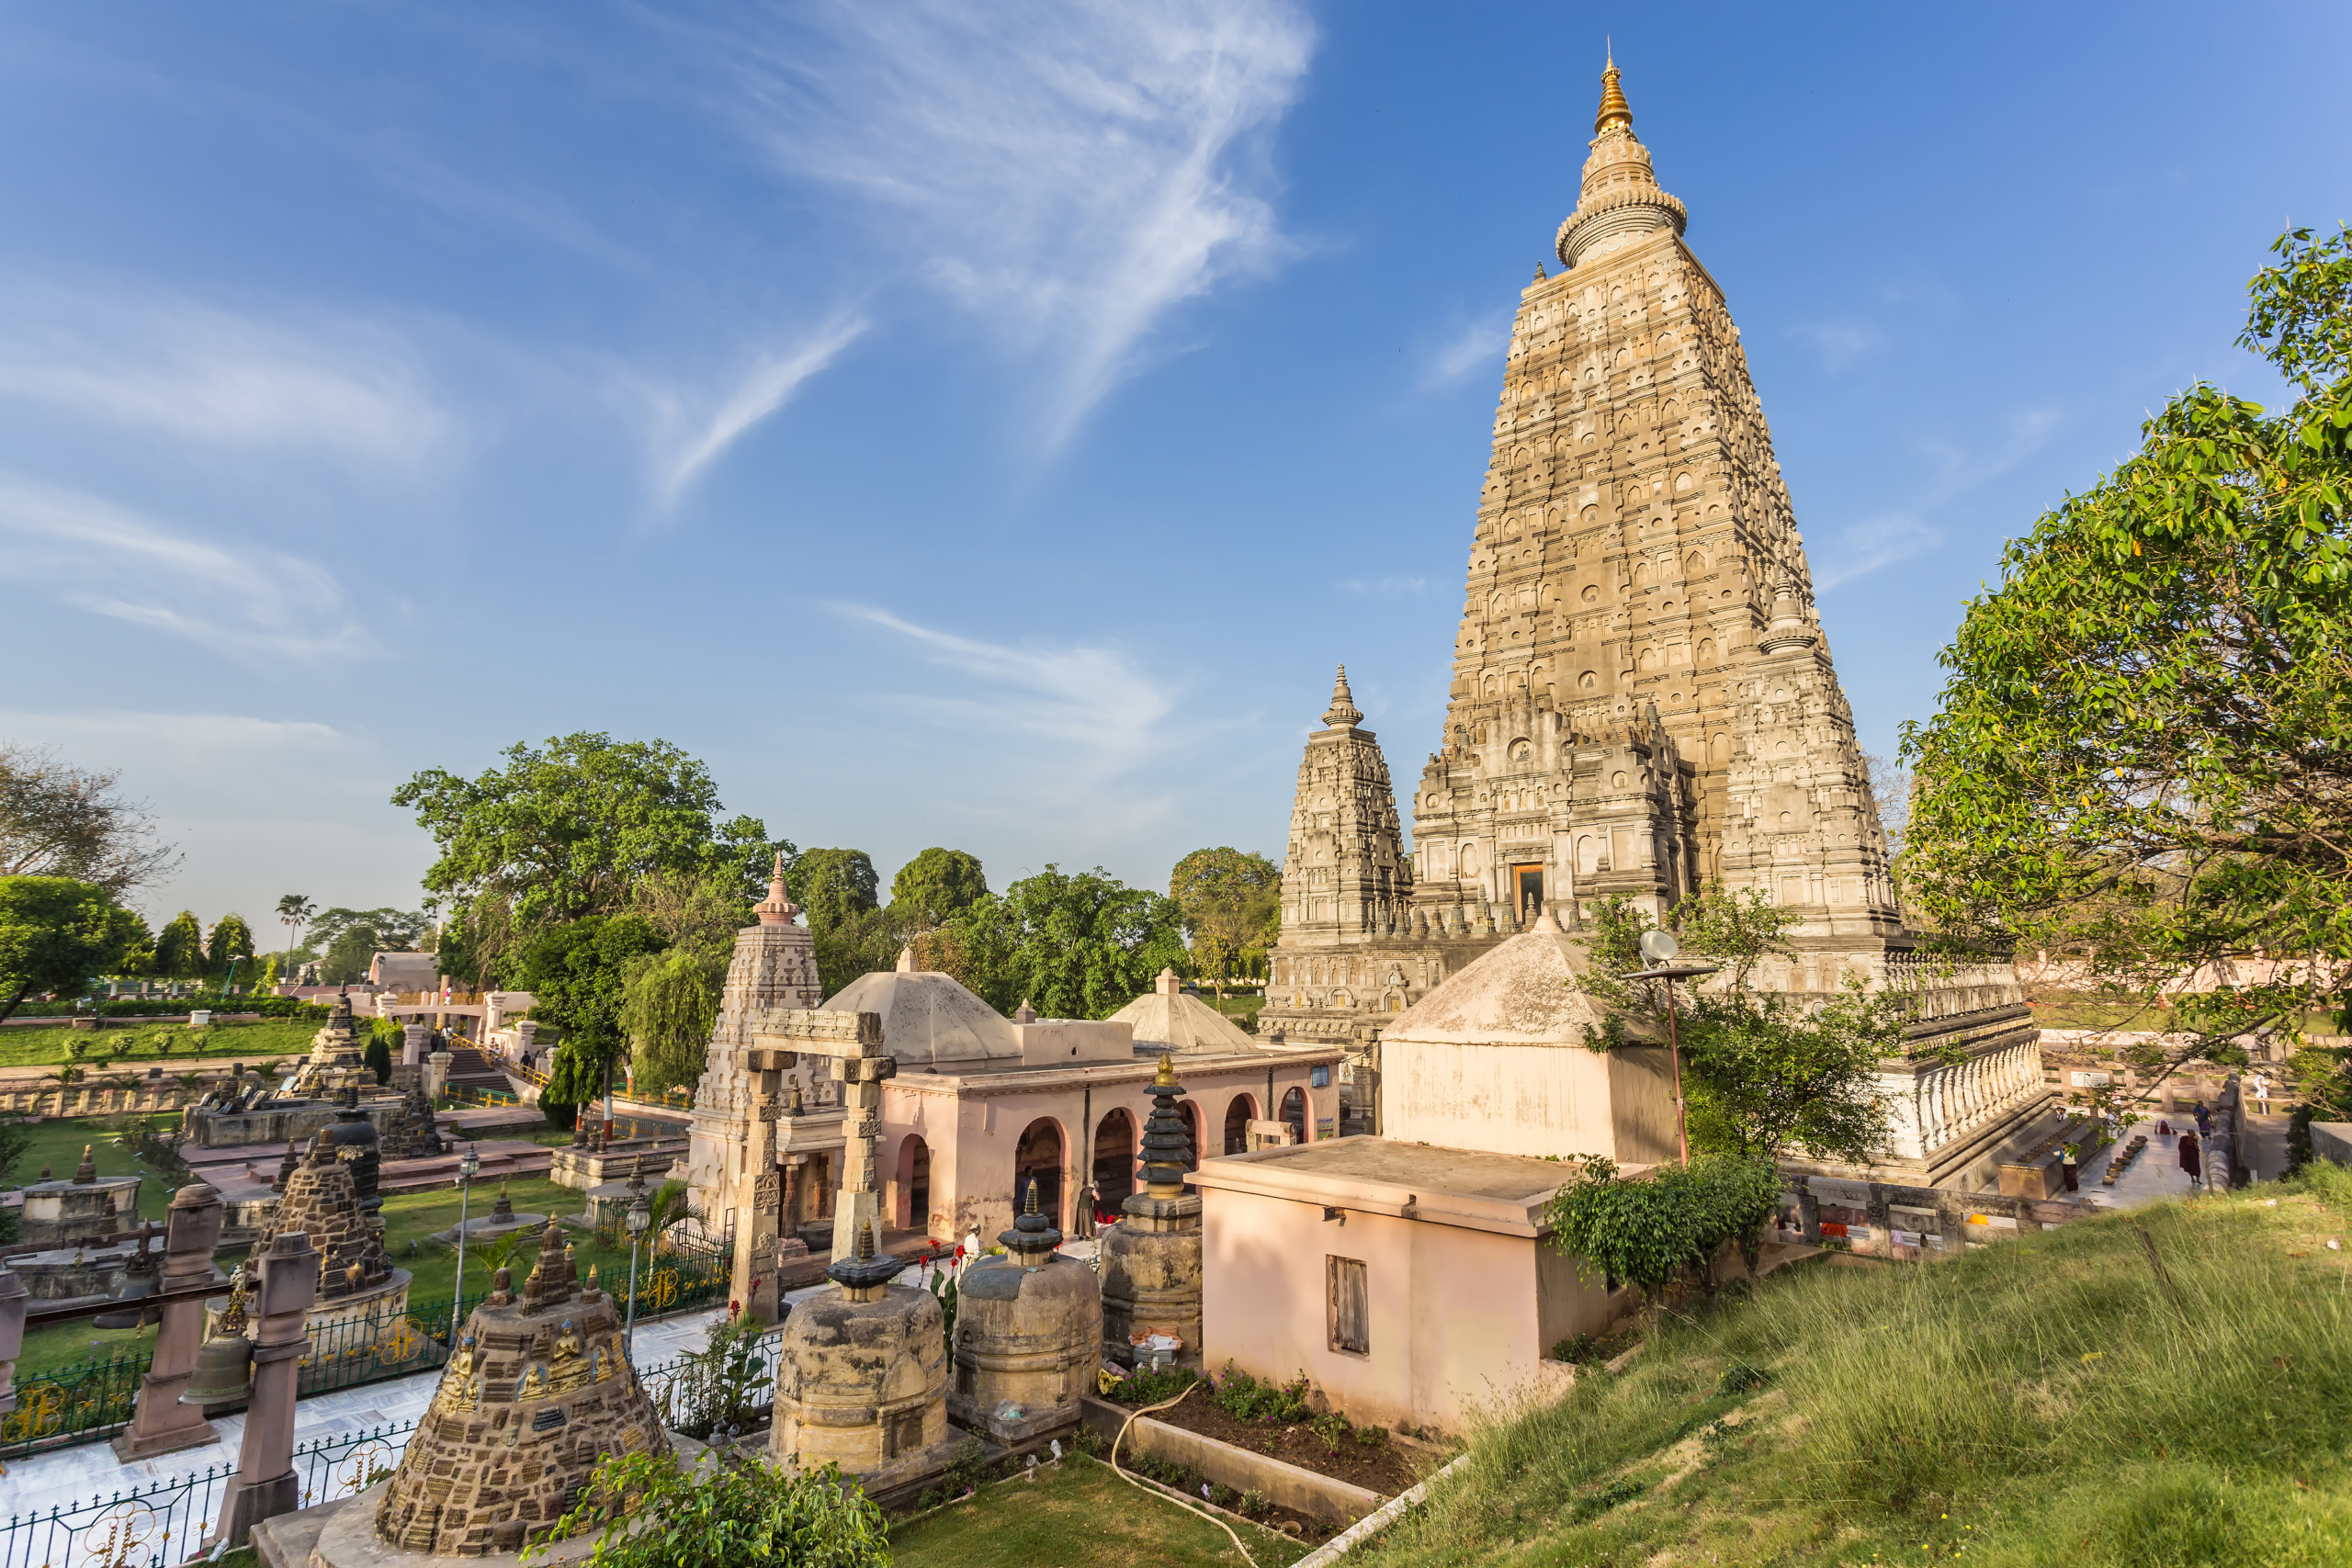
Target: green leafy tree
pixel 179 948
pixel 699 909
pixel 2143 753
pixel 835 887
pixel 669 1004
pixel 55 935
pixel 1667 1224
pixel 579 974
pixel 649 1510
pixel 377 1055
pixel 392 931
pixel 1231 901
pixel 1079 945
pixel 936 885
pixel 566 831
pixel 1763 1073
pixel 347 957
pixel 230 939
pixel 138 957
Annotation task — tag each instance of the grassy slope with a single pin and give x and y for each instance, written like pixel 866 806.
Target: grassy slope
pixel 2038 1401
pixel 252 1042
pixel 1075 1515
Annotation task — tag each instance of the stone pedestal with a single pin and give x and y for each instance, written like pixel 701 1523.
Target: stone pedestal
pixel 414 1038
pixel 266 1483
pixel 862 1378
pixel 436 1074
pixel 87 1204
pixel 1028 1335
pixel 162 1424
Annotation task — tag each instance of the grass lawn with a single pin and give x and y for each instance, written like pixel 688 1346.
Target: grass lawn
pixel 2041 1401
pixel 138 1041
pixel 1243 1011
pixel 1076 1515
pixel 409 1218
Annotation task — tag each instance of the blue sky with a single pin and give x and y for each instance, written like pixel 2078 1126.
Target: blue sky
pixel 987 425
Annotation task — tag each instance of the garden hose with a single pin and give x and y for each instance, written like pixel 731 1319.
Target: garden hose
pixel 1183 1503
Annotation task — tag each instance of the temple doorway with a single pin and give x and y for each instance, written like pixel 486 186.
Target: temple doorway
pixel 1529 882
pixel 1115 1163
pixel 1294 1113
pixel 1039 1157
pixel 914 1185
pixel 1238 1117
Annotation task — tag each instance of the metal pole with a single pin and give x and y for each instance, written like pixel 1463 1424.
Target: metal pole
pixel 458 1294
pixel 628 1329
pixel 1674 1043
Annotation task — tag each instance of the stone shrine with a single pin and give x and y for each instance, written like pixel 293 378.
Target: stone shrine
pixel 1642 703
pixel 1028 1335
pixel 87 1204
pixel 740 1160
pixel 338 1058
pixel 412 1133
pixel 862 1376
pixel 334 1073
pixel 540 1389
pixel 1151 1260
pixel 360 1294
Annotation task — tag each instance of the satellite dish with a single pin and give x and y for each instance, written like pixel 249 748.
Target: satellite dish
pixel 1659 947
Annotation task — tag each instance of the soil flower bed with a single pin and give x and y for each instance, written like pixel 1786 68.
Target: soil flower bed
pixel 1279 1420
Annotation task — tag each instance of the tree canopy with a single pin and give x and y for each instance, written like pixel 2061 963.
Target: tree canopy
pixel 230 939
pixel 834 886
pixel 59 820
pixel 1073 945
pixel 57 934
pixel 1231 902
pixel 936 886
pixel 578 975
pixel 179 948
pixel 669 1003
pixel 2142 753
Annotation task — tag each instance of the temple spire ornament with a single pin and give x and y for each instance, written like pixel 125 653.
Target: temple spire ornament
pixel 1342 711
pixel 1615 113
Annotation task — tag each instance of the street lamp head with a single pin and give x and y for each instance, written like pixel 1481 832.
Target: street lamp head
pixel 470 1164
pixel 639 1219
pixel 1659 946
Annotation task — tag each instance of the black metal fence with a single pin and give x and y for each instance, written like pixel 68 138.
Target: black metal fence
pixel 79 1403
pixel 703 1394
pixel 147 1527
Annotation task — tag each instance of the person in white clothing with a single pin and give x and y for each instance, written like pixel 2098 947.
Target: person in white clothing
pixel 2260 1087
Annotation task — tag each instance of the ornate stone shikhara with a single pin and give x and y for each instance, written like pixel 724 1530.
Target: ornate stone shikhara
pixel 1642 700
pixel 538 1391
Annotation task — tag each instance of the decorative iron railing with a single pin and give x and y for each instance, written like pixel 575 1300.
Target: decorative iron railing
pixel 148 1527
pixel 701 1394
pixel 350 1463
pixel 79 1402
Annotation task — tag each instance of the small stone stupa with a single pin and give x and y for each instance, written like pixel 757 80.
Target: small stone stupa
pixel 323 1198
pixel 1028 1335
pixel 1151 1261
pixel 862 1376
pixel 538 1391
pixel 338 1057
pixel 412 1133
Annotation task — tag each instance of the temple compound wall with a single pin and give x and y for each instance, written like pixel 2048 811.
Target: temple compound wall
pixel 1641 702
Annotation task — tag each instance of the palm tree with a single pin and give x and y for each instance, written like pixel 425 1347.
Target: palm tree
pixel 65 1078
pixel 294 911
pixel 672 1205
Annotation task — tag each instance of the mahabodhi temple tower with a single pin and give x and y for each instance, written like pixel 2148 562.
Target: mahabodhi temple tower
pixel 1642 700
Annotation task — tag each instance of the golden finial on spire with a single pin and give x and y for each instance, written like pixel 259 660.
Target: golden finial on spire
pixel 1167 1075
pixel 1615 112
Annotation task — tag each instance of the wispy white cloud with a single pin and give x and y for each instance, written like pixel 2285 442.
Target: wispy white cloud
pixel 1386 585
pixel 110 562
pixel 688 440
pixel 1479 346
pixel 1078 720
pixel 173 366
pixel 1840 344
pixel 1863 548
pixel 1071 169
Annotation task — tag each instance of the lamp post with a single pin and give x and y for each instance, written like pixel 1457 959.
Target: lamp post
pixel 1659 947
pixel 469 1166
pixel 639 1219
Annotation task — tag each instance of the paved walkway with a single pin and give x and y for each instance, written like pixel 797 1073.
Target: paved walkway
pixel 2157 1173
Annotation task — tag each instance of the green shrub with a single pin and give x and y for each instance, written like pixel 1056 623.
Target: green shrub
pixel 1246 1398
pixel 651 1511
pixel 1577 1350
pixel 1255 1503
pixel 1144 1387
pixel 1372 1437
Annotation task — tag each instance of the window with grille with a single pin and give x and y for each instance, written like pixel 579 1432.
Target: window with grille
pixel 1350 1317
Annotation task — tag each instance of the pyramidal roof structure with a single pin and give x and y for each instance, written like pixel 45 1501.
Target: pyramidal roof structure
pixel 1168 1019
pixel 1637 549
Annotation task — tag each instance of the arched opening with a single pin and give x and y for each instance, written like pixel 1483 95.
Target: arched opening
pixel 1191 1114
pixel 1294 1113
pixel 913 1207
pixel 1238 1117
pixel 1038 1157
pixel 1115 1163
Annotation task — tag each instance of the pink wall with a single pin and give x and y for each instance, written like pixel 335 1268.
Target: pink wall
pixel 973 1125
pixel 1458 1317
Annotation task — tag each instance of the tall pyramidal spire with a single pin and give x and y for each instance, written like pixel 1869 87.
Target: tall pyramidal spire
pixel 1635 550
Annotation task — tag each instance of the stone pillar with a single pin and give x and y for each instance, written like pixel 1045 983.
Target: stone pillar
pixel 1808 1211
pixel 436 1074
pixel 266 1485
pixel 13 1296
pixel 757 1223
pixel 162 1424
pixel 413 1039
pixel 859 1199
pixel 1881 1219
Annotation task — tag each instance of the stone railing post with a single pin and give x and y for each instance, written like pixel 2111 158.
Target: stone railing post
pixel 436 1074
pixel 266 1485
pixel 13 1296
pixel 162 1424
pixel 1808 1211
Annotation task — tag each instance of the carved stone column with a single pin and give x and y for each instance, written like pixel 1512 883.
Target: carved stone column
pixel 162 1424
pixel 756 1224
pixel 266 1485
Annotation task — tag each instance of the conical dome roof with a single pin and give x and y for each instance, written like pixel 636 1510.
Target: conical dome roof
pixel 1166 1019
pixel 1525 991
